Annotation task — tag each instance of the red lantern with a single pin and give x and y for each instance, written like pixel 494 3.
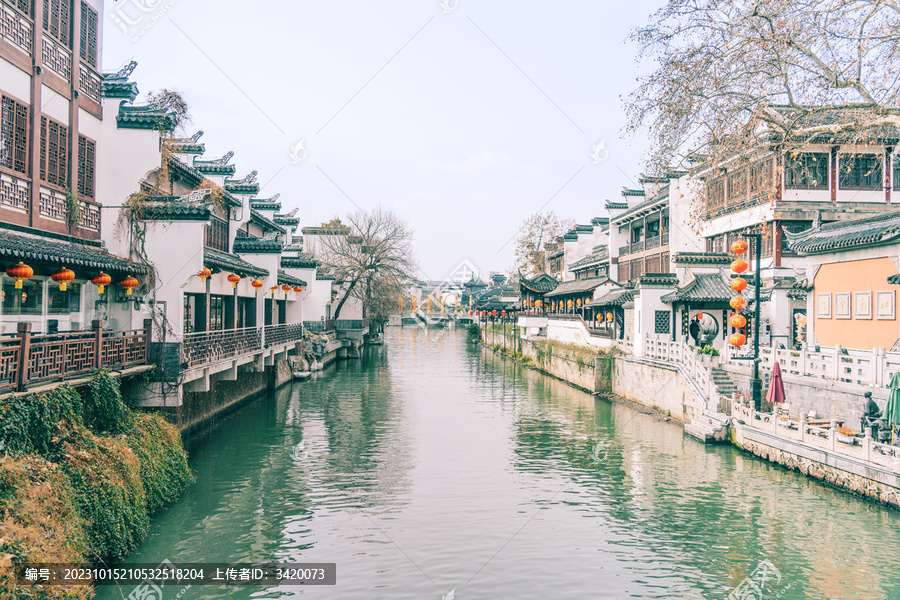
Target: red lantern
pixel 738 321
pixel 739 247
pixel 256 283
pixel 739 266
pixel 738 303
pixel 699 316
pixel 285 288
pixel 737 339
pixel 298 289
pixel 471 313
pixel 20 272
pixel 495 313
pixel 503 314
pixel 739 284
pixel 129 283
pixel 101 281
pixel 63 277
pixel 234 279
pixel 203 274
pixel 273 289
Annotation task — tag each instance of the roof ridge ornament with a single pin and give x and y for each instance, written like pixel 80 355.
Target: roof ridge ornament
pixel 125 72
pixel 197 195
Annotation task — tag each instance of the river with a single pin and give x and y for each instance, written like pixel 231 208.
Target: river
pixel 430 465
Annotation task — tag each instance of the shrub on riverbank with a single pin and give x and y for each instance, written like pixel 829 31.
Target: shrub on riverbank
pixel 82 477
pixel 473 333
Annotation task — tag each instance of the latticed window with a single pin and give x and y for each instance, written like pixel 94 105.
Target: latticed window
pixel 217 235
pixel 861 171
pixel 806 170
pixel 897 173
pixel 761 177
pixel 662 322
pixel 23 5
pixel 86 166
pixel 54 152
pixel 715 193
pixel 57 20
pixel 88 35
pixel 14 135
pixel 737 186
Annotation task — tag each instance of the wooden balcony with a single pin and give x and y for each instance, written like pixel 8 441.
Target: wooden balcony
pixel 27 360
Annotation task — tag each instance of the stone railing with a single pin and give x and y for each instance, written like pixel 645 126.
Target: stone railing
pixel 799 429
pixel 28 359
pixel 860 367
pixel 696 366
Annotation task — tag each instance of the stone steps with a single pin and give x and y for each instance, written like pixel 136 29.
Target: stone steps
pixel 709 427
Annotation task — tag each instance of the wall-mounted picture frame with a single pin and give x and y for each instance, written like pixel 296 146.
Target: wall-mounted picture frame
pixel 842 309
pixel 823 306
pixel 862 304
pixel 885 305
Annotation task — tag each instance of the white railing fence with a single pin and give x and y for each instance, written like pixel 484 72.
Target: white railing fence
pixel 862 367
pixel 798 429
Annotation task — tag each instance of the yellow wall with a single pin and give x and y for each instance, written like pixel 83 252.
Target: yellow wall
pixel 856 276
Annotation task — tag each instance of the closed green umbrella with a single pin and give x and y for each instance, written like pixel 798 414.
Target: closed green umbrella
pixel 892 411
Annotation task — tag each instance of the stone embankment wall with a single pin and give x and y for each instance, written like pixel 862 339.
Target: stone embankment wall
pixel 572 363
pixel 864 479
pixel 657 386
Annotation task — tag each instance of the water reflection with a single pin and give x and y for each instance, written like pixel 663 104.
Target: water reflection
pixel 431 464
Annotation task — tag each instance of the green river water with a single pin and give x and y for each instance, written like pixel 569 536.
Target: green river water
pixel 430 465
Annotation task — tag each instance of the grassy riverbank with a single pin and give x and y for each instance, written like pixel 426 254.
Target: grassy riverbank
pixel 80 475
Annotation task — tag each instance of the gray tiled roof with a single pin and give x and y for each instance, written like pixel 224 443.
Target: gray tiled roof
pixel 836 116
pixel 230 262
pixel 290 279
pixel 257 246
pixel 304 261
pixel 706 258
pixel 706 287
pixel 539 283
pixel 60 253
pixel 613 298
pixel 894 279
pixel 598 256
pixel 264 222
pixel 577 286
pixel 870 231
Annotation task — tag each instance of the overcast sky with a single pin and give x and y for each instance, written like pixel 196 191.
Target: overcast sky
pixel 464 118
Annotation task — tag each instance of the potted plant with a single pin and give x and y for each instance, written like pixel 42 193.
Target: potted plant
pixel 708 356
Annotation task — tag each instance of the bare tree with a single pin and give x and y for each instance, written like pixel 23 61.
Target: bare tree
pixel 371 255
pixel 727 75
pixel 538 237
pixel 172 100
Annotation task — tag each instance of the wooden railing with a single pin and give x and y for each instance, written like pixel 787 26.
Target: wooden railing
pixel 28 359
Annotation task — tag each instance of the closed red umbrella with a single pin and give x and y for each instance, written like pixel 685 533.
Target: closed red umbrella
pixel 776 386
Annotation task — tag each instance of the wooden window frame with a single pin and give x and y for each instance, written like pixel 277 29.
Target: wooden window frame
pixel 805 173
pixel 18 133
pixel 877 175
pixel 62 154
pixel 87 177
